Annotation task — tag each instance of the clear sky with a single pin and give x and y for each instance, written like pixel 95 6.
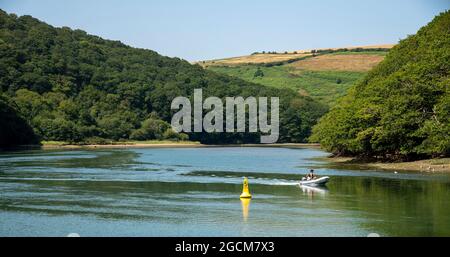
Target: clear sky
pixel 210 29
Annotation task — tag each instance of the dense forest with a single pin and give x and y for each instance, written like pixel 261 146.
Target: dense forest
pixel 71 86
pixel 401 110
pixel 14 130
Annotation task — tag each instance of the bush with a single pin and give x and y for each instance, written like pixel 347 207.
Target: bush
pixel 151 129
pixel 258 73
pixel 96 141
pixel 169 134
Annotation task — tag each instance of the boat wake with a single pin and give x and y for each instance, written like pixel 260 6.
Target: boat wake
pixel 283 183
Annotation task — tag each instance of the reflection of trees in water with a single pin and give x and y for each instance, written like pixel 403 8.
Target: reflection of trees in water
pixel 94 159
pixel 397 207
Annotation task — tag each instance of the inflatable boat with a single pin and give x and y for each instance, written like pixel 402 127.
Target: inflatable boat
pixel 315 182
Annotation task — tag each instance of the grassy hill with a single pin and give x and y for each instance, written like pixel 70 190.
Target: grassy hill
pixel 323 74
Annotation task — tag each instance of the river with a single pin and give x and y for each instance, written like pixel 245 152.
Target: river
pixel 195 192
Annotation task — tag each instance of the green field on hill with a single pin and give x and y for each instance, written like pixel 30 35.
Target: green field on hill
pixel 324 77
pixel 324 86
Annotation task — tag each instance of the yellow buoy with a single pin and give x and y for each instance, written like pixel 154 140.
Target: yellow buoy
pixel 245 192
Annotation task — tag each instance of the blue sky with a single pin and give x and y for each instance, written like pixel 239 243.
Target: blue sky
pixel 210 29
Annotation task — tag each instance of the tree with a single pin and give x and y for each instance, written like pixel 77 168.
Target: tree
pixel 14 130
pixel 151 128
pixel 258 73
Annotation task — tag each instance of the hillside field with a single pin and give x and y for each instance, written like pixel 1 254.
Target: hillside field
pixel 323 76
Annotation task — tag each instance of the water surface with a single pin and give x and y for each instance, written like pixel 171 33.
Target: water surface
pixel 195 192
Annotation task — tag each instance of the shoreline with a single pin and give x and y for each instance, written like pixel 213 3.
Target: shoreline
pixel 186 144
pixel 441 165
pixel 426 166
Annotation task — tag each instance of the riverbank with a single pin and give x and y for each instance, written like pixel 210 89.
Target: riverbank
pixel 124 144
pixel 163 144
pixel 428 165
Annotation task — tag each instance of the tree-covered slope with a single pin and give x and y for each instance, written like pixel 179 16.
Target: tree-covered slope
pixel 402 107
pixel 14 130
pixel 72 86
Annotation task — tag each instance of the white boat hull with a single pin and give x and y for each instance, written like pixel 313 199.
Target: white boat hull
pixel 315 182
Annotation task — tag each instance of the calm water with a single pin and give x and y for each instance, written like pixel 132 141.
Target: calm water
pixel 195 192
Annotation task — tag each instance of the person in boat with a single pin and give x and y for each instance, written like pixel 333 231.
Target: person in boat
pixel 311 175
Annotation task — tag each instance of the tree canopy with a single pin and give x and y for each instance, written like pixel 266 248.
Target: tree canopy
pixel 71 86
pixel 401 110
pixel 14 130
